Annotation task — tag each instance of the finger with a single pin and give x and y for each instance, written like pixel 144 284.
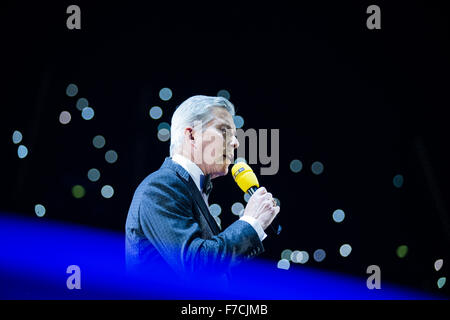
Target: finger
pixel 267 196
pixel 268 204
pixel 261 190
pixel 273 216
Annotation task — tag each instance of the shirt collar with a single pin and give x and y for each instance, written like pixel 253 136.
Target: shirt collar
pixel 194 171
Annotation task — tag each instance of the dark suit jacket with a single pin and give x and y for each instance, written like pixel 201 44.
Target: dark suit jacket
pixel 169 222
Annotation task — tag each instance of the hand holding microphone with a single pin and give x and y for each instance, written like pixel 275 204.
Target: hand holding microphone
pixel 261 207
pixel 261 204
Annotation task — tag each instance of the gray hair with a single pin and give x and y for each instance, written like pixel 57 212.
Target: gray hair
pixel 195 108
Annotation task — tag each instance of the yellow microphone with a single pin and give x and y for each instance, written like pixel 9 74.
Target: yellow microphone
pixel 246 179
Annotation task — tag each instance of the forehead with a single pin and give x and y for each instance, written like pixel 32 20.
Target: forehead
pixel 223 117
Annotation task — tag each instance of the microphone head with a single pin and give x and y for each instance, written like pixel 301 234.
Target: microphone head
pixel 244 176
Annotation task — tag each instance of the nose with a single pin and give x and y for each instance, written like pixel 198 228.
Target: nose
pixel 235 142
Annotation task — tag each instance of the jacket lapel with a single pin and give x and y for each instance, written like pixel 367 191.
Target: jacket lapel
pixel 194 192
pixel 204 208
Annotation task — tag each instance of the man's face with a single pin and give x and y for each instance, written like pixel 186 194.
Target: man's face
pixel 218 142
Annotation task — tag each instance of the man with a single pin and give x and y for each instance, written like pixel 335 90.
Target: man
pixel 169 221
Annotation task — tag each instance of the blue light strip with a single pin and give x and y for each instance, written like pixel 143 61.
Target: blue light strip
pixel 36 252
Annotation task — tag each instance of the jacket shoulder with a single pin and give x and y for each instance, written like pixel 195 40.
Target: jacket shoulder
pixel 162 181
pixel 162 176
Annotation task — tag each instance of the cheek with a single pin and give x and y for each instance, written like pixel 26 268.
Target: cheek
pixel 213 150
pixel 218 147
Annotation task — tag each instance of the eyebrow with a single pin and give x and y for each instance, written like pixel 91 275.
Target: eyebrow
pixel 224 124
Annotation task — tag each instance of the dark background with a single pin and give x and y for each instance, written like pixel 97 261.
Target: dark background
pixel 368 104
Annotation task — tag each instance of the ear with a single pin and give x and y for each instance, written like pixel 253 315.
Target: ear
pixel 188 132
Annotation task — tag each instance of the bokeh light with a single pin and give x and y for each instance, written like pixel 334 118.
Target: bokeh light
pixel 17 137
pixel 238 121
pixel 218 221
pixel 107 191
pixel 319 255
pixel 98 141
pixel 78 191
pixel 303 257
pixel 111 156
pixel 155 112
pixel 317 167
pixel 296 256
pixel 438 264
pixel 338 215
pixel 224 93
pixel 236 208
pixel 215 209
pixel 441 282
pixel 286 254
pixel 398 181
pixel 283 264
pixel 65 117
pixel 296 165
pixel 163 135
pixel 240 160
pixel 165 94
pixel 163 125
pixel 246 197
pixel 402 251
pixel 345 250
pixel 72 90
pixel 93 175
pixel 22 151
pixel 87 113
pixel 82 103
pixel 39 209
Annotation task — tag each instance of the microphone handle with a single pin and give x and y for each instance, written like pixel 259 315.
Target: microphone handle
pixel 251 191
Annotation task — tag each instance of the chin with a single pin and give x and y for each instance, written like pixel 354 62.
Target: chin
pixel 225 171
pixel 221 172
